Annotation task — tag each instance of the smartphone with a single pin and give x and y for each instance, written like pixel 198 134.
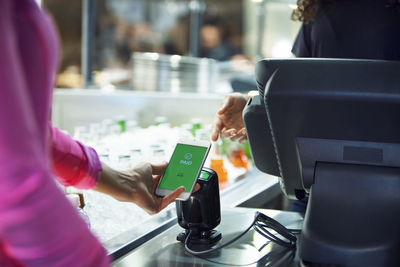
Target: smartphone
pixel 184 167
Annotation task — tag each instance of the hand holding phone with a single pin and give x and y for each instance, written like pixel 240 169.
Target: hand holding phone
pixel 184 167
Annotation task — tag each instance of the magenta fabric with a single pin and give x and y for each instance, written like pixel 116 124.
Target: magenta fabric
pixel 38 226
pixel 74 163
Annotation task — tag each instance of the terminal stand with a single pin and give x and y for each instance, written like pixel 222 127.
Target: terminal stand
pixel 353 216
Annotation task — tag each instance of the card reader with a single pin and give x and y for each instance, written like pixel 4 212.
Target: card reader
pixel 201 213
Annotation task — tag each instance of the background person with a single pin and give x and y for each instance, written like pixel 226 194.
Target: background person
pixel 213 42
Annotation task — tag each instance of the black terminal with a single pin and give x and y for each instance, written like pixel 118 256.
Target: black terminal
pixel 330 129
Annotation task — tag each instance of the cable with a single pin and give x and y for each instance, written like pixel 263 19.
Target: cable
pixel 261 223
pixel 217 248
pixel 264 222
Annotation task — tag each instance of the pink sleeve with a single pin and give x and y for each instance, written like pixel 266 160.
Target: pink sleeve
pixel 74 163
pixel 38 226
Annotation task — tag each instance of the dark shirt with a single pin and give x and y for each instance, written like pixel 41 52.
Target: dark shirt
pixel 222 52
pixel 365 29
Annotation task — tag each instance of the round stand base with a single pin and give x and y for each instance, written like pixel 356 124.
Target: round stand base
pixel 208 238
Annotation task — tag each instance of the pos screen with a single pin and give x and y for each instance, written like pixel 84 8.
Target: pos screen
pixel 183 167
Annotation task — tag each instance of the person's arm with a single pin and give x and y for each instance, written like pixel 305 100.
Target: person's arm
pixel 73 163
pixel 38 226
pixel 78 165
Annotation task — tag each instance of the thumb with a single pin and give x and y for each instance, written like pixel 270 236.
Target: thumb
pixel 228 101
pixel 159 168
pixel 171 197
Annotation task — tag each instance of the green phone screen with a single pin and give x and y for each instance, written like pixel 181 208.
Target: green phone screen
pixel 183 167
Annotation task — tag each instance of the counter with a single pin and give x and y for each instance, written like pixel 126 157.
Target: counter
pixel 256 188
pixel 250 250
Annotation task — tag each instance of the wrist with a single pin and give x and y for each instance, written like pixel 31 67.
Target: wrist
pixel 113 183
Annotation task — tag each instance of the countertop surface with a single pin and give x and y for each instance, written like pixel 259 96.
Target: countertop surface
pixel 250 250
pixel 256 187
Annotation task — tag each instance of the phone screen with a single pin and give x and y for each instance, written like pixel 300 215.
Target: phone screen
pixel 183 167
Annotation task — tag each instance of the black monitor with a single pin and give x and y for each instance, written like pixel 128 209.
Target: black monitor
pixel 330 129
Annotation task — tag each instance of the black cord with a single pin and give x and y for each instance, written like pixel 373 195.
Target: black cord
pixel 261 223
pixel 217 248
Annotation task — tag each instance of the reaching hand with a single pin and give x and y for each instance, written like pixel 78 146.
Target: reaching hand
pixel 144 179
pixel 228 121
pixel 137 185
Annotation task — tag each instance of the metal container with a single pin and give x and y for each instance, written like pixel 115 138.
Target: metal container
pixel 173 73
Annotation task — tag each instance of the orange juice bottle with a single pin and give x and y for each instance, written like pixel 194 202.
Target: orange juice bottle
pixel 239 158
pixel 217 164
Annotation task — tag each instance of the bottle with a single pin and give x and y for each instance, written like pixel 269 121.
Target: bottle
pixel 186 131
pixel 78 202
pixel 160 120
pixel 196 125
pixel 121 122
pixel 238 157
pixel 217 163
pixel 131 125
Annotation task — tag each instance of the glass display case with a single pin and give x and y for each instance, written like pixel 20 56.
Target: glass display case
pixel 123 141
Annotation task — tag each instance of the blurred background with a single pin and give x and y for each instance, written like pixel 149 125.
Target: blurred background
pixel 122 30
pixel 137 75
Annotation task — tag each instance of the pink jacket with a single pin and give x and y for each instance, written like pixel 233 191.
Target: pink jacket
pixel 38 226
